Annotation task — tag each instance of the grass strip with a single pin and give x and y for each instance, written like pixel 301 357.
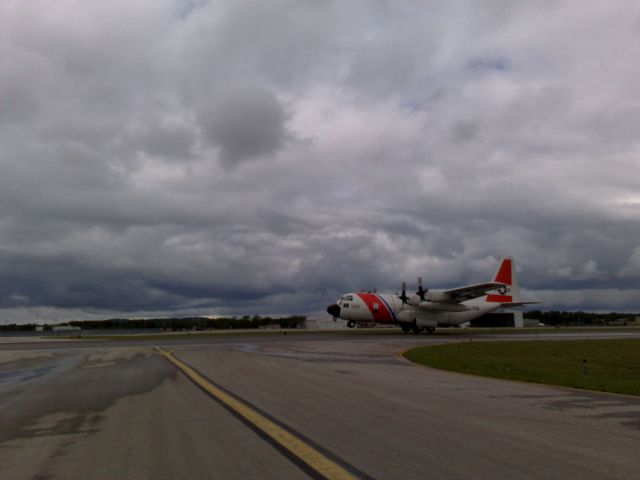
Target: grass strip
pixel 603 365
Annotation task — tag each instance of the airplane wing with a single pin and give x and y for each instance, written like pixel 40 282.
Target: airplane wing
pixel 470 292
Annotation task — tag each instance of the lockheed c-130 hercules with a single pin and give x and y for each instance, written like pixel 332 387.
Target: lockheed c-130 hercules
pixel 429 308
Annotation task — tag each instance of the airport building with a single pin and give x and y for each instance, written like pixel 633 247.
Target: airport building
pixel 500 318
pixel 323 323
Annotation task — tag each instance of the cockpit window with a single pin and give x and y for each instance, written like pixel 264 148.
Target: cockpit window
pixel 345 298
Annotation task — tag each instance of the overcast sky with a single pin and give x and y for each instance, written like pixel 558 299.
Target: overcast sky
pixel 179 157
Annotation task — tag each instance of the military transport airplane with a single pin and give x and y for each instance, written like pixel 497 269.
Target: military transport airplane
pixel 427 309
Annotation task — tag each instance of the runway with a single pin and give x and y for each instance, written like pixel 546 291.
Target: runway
pixel 121 410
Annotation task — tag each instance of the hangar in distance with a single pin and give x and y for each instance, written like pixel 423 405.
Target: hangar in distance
pixel 427 309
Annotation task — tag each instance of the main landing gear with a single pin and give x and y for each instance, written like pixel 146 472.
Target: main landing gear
pixel 408 327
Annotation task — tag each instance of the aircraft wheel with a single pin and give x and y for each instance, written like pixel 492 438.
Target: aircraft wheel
pixel 430 330
pixel 405 328
pixel 351 324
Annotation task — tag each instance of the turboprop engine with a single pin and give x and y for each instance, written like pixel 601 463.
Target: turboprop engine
pixel 438 297
pixel 430 300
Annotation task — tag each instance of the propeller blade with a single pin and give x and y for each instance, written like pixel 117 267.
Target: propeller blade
pixel 421 290
pixel 404 297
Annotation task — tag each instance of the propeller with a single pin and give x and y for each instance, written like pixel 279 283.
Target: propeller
pixel 421 291
pixel 403 296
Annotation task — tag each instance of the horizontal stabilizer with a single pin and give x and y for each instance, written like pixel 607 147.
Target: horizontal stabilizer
pixel 515 304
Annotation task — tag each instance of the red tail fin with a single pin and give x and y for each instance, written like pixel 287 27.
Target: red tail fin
pixel 505 274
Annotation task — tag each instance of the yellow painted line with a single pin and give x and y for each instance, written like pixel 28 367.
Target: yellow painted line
pixel 309 455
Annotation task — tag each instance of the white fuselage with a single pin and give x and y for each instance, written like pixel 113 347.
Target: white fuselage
pixel 389 308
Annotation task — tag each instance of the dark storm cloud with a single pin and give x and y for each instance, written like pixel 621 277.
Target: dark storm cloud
pixel 187 157
pixel 246 123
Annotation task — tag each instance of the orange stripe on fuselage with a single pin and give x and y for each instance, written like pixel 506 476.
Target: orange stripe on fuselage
pixel 382 313
pixel 500 298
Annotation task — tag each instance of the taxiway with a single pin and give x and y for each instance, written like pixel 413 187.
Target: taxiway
pixel 121 410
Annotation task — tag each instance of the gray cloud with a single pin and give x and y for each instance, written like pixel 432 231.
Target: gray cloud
pixel 246 123
pixel 251 157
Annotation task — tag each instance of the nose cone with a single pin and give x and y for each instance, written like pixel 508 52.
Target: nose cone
pixel 334 310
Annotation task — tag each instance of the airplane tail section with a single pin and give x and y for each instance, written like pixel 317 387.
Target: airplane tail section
pixel 510 293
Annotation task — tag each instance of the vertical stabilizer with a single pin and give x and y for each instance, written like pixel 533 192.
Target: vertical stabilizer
pixel 506 274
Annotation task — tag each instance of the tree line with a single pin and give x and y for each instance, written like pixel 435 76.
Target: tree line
pixel 552 318
pixel 171 324
pixel 557 318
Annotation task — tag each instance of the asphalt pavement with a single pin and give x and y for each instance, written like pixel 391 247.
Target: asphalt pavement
pixel 120 410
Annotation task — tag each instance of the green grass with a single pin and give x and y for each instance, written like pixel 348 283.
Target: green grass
pixel 538 330
pixel 611 365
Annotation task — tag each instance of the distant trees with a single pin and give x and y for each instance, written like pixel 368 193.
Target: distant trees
pixel 560 319
pixel 552 317
pixel 12 327
pixel 175 324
